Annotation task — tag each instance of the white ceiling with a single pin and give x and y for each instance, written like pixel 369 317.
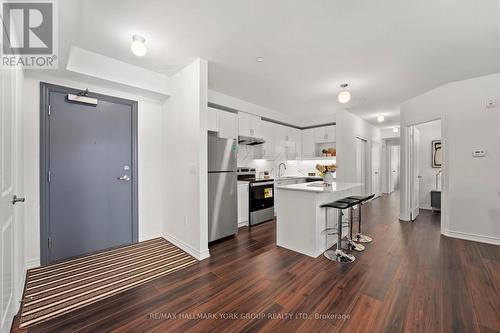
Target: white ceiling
pixel 387 50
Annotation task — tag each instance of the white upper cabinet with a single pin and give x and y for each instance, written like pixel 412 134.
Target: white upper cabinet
pixel 288 142
pixel 212 119
pixel 249 125
pixel 324 134
pixel 308 143
pixel 228 125
pixel 223 122
pixel 268 149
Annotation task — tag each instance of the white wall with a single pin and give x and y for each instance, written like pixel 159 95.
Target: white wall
pixel 349 127
pixel 428 132
pixel 471 186
pixel 149 152
pixel 388 133
pixel 185 160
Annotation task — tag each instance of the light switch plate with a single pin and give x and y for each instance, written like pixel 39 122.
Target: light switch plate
pixel 478 153
pixel 490 103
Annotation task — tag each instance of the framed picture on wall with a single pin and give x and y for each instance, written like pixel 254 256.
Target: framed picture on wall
pixel 437 154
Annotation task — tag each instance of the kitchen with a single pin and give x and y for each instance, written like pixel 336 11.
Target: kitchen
pixel 272 162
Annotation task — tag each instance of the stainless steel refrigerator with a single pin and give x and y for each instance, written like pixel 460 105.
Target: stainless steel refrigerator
pixel 222 188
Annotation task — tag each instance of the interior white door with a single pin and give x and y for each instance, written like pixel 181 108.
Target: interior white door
pixel 7 191
pixel 415 173
pixel 394 168
pixel 361 164
pixel 376 168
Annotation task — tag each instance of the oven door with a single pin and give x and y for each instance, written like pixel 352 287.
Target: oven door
pixel 261 202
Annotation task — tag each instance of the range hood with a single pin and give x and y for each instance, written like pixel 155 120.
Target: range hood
pixel 249 141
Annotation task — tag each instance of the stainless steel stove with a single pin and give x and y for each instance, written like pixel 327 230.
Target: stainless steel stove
pixel 261 196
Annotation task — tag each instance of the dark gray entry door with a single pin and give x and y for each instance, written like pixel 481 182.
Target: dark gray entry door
pixel 90 182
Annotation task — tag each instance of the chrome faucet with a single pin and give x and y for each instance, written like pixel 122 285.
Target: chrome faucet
pixel 279 169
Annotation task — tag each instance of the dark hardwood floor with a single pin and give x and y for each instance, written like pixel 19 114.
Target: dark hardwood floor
pixel 410 279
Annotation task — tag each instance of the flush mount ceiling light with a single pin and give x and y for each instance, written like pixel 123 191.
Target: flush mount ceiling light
pixel 259 59
pixel 395 129
pixel 138 46
pixel 380 118
pixel 344 96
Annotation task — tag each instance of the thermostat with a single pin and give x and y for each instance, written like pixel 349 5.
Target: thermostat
pixel 478 153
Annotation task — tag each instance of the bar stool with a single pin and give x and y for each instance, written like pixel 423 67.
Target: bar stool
pixel 360 238
pixel 351 244
pixel 338 255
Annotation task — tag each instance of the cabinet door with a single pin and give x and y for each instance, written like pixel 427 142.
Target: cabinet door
pixel 228 125
pixel 308 144
pixel 330 133
pixel 296 136
pixel 268 134
pixel 244 124
pixel 320 134
pixel 243 203
pixel 249 125
pixel 256 129
pixel 212 119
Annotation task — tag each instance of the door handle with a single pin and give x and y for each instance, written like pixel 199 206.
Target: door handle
pixel 124 178
pixel 16 199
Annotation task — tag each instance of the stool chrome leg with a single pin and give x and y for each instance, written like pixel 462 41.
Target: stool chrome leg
pixel 351 244
pixel 338 255
pixel 360 238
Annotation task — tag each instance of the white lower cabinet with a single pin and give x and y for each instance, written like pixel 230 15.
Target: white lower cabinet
pixel 243 208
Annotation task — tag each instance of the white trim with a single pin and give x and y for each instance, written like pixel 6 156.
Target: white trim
pixel 242 224
pixel 473 237
pixel 153 235
pixel 32 263
pixel 200 255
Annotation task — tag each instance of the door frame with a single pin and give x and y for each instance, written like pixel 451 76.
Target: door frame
pixel 45 90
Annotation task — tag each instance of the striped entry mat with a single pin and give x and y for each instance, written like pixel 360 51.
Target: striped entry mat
pixel 56 289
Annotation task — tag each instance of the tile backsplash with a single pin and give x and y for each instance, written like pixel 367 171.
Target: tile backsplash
pixel 293 167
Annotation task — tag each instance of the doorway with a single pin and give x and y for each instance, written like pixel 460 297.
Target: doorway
pixel 88 173
pixel 430 163
pixel 394 153
pixel 423 169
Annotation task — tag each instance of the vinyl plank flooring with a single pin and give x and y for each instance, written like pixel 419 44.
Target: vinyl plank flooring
pixel 410 279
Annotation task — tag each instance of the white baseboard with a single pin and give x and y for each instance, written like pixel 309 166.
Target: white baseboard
pixel 146 237
pixel 200 255
pixel 473 237
pixel 32 263
pixel 243 224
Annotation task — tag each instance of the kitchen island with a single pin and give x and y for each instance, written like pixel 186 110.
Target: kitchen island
pixel 300 222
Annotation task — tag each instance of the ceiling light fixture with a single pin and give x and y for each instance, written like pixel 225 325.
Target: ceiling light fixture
pixel 395 129
pixel 259 59
pixel 344 96
pixel 380 118
pixel 138 46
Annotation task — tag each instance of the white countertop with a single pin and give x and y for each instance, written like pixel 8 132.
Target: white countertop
pixel 316 187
